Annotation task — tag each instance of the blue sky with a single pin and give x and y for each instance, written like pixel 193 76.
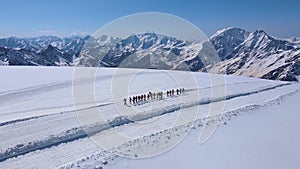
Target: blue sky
pixel 28 18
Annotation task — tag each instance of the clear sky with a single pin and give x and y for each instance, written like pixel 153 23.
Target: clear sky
pixel 27 18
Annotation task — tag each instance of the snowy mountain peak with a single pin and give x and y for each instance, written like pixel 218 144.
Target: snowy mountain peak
pixel 227 40
pixel 49 48
pixel 231 31
pixel 260 32
pixel 149 40
pixel 256 54
pixel 261 40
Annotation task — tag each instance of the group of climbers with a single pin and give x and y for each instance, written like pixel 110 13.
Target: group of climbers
pixel 143 98
pixel 172 92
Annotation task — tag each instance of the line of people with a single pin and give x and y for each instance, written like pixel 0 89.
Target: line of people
pixel 151 96
pixel 172 92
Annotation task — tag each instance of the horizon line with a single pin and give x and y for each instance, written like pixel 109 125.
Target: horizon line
pixel 89 34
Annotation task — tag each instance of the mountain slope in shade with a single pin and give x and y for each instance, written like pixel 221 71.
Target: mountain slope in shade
pixel 256 54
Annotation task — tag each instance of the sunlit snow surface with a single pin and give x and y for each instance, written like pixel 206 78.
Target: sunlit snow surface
pixel 39 126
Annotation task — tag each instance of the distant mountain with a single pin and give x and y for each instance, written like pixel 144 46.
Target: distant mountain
pixel 295 40
pixel 9 56
pixel 256 54
pixel 155 51
pixel 44 50
pixel 253 54
pixel 70 44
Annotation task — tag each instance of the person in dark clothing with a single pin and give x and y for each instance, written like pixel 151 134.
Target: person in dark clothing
pixel 124 100
pixel 177 91
pixel 144 97
pixel 148 96
pixel 130 100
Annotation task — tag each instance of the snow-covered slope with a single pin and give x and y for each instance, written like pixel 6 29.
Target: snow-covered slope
pixel 256 54
pixel 40 128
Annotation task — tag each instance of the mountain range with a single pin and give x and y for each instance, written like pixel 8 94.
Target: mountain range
pixel 256 54
pixel 239 52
